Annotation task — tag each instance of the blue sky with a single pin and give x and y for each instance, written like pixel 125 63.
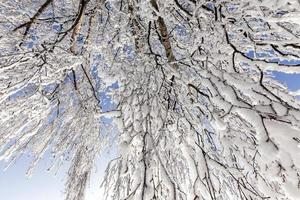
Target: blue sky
pixel 43 185
pixel 291 80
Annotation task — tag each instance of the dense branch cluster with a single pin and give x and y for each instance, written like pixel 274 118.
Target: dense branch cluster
pixel 197 112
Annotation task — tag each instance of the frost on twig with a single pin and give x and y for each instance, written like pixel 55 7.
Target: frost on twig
pixel 198 115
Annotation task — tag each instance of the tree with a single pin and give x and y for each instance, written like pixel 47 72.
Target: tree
pixel 197 113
